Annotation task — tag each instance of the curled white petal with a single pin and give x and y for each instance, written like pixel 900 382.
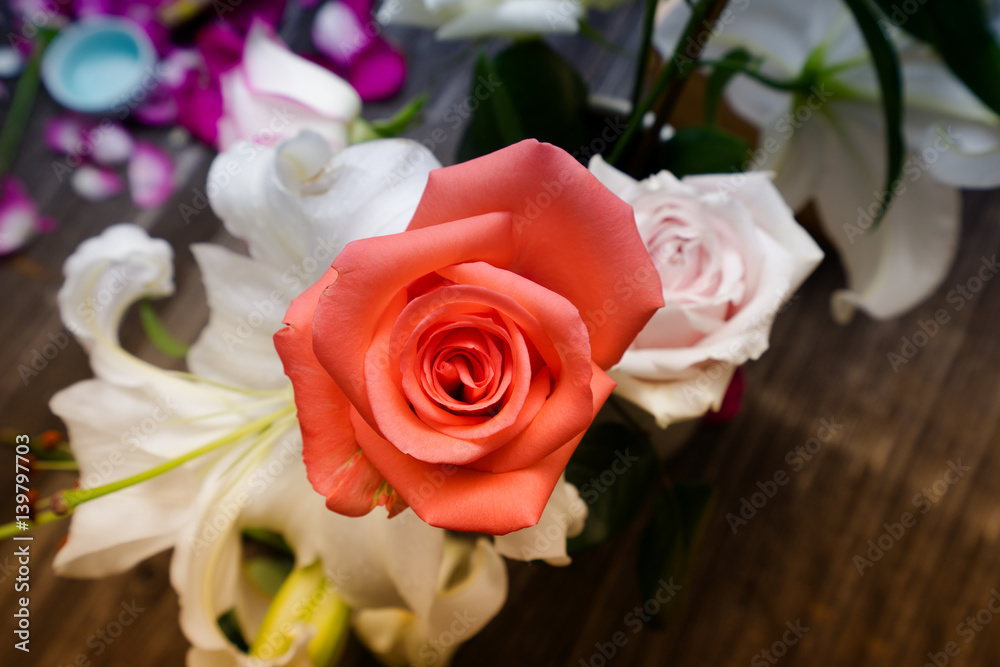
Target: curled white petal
pixel 297 224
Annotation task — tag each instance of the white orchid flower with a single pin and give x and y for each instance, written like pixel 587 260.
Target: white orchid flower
pixel 827 144
pixel 470 19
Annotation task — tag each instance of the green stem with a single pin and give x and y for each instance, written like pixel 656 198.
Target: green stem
pixel 644 51
pixel 72 498
pixel 677 69
pixel 795 85
pixel 22 103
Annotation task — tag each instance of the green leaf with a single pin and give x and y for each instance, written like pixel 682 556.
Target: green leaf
pixel 890 81
pixel 614 468
pixel 268 574
pixel 733 62
pixel 526 91
pixel 670 543
pixel 959 31
pixel 157 332
pixel 20 110
pixel 230 627
pixel 702 150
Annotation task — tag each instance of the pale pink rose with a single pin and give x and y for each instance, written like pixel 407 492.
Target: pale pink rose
pixel 729 254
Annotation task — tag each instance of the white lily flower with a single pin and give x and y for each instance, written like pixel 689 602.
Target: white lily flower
pixel 827 145
pixel 470 19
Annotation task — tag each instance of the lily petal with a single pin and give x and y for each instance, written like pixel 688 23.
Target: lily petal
pixel 896 266
pixel 247 301
pixel 369 189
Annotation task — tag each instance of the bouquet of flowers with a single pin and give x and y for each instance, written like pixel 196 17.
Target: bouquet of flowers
pixel 415 371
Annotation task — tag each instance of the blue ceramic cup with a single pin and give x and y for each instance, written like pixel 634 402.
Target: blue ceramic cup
pixel 97 64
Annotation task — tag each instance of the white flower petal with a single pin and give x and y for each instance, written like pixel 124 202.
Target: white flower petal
pixel 563 517
pixel 371 189
pixel 895 267
pixel 104 276
pixel 401 637
pixel 515 18
pixel 247 301
pixel 690 395
pixel 147 517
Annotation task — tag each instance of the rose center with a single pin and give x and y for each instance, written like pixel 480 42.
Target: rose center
pixel 465 368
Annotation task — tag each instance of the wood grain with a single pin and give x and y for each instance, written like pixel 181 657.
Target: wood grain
pixel 792 562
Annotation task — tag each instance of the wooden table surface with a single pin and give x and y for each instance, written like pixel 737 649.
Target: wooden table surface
pixel 792 564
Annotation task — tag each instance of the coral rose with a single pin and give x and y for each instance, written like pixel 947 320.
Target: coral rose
pixel 454 367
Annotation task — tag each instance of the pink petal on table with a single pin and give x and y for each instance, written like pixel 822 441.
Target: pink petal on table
pixel 159 108
pixel 199 103
pixel 150 175
pixel 338 33
pixel 112 143
pixel 64 133
pixel 19 219
pixel 174 68
pixel 379 73
pixel 242 14
pixel 221 47
pixel 96 183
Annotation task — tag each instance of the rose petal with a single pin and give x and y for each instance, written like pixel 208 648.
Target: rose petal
pixel 64 134
pixel 221 48
pixel 338 34
pixel 96 184
pixel 112 144
pixel 150 176
pixel 459 498
pixel 19 219
pixel 199 107
pixel 378 73
pixel 335 464
pixel 559 210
